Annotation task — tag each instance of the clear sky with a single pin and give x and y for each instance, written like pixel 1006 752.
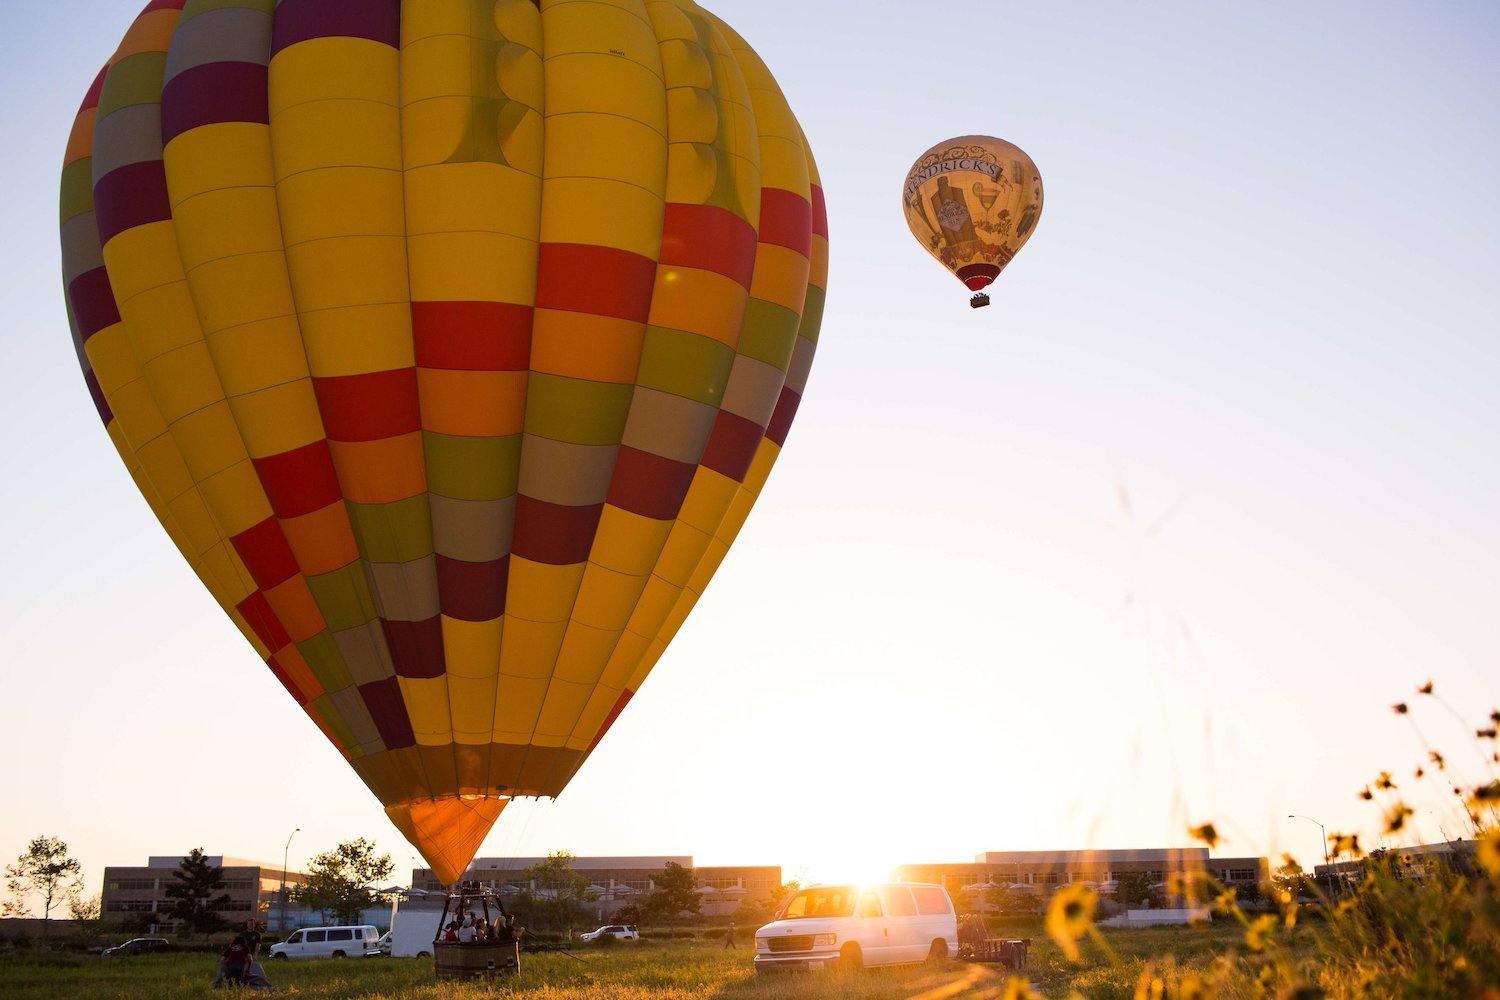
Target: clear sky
pixel 1155 539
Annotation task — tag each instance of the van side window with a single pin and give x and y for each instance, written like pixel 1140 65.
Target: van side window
pixel 869 905
pixel 370 934
pixel 931 901
pixel 316 937
pixel 341 934
pixel 898 901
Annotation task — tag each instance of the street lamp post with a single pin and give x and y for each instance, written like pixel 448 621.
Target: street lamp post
pixel 1327 861
pixel 281 923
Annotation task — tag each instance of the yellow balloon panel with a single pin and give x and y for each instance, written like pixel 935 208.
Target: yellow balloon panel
pixel 451 342
pixel 973 202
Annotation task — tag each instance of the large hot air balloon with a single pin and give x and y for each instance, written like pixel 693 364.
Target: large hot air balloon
pixel 973 202
pixel 451 341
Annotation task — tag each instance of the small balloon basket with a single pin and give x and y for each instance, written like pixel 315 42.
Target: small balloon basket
pixel 474 959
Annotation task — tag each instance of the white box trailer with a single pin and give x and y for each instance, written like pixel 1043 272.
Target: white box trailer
pixel 412 933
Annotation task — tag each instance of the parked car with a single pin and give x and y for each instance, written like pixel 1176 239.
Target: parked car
pixel 137 946
pixel 620 932
pixel 851 925
pixel 330 942
pixel 384 944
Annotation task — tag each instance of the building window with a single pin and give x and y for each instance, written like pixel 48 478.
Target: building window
pixel 128 906
pixel 1243 875
pixel 131 884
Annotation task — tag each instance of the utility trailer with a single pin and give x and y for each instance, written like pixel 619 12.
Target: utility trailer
pixel 975 944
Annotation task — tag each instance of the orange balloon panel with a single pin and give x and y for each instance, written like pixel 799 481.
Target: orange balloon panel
pixel 973 202
pixel 451 341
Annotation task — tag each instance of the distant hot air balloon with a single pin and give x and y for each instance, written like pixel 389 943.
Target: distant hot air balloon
pixel 973 202
pixel 451 341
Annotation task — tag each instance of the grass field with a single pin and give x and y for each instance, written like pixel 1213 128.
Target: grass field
pixel 666 970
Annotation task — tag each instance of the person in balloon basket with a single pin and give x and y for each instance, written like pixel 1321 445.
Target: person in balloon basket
pixel 466 931
pixel 450 933
pixel 506 929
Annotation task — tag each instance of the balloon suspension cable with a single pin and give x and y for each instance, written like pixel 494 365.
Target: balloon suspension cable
pixel 978 300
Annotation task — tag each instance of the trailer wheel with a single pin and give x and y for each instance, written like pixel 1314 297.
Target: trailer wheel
pixel 938 953
pixel 851 957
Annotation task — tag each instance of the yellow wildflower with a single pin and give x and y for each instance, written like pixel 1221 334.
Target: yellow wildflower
pixel 1489 853
pixel 1019 988
pixel 1260 932
pixel 1070 916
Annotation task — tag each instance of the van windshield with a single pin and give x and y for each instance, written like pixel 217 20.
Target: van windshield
pixel 822 901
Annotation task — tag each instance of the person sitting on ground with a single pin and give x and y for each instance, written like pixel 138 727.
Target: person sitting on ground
pixel 236 959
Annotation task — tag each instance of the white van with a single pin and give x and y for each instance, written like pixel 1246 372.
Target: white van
pixel 329 942
pixel 857 925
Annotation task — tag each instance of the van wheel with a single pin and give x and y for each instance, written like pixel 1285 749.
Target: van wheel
pixel 938 953
pixel 851 957
pixel 339 954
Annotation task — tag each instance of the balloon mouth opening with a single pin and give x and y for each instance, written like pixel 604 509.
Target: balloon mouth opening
pixel 976 276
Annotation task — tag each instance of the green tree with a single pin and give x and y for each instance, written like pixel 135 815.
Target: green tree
pixel 338 881
pixel 1290 882
pixel 1135 887
pixel 195 908
pixel 675 895
pixel 45 870
pixel 558 895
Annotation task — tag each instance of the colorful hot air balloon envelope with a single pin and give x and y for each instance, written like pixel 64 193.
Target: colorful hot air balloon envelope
pixel 973 202
pixel 451 341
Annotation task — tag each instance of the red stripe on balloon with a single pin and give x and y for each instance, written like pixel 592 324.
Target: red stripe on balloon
pixel 369 407
pixel 552 533
pixel 305 20
pixel 614 713
pixel 130 196
pixel 601 281
pixel 786 220
pixel 93 299
pixel 473 591
pixel 286 680
pixel 416 647
pixel 256 611
pixel 820 213
pixel 264 551
pixel 709 238
pixel 388 711
pixel 214 93
pixel 300 481
pixel 91 99
pixel 732 445
pixel 781 420
pixel 472 336
pixel 649 485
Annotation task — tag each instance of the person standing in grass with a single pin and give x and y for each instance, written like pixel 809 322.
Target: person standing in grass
pixel 729 937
